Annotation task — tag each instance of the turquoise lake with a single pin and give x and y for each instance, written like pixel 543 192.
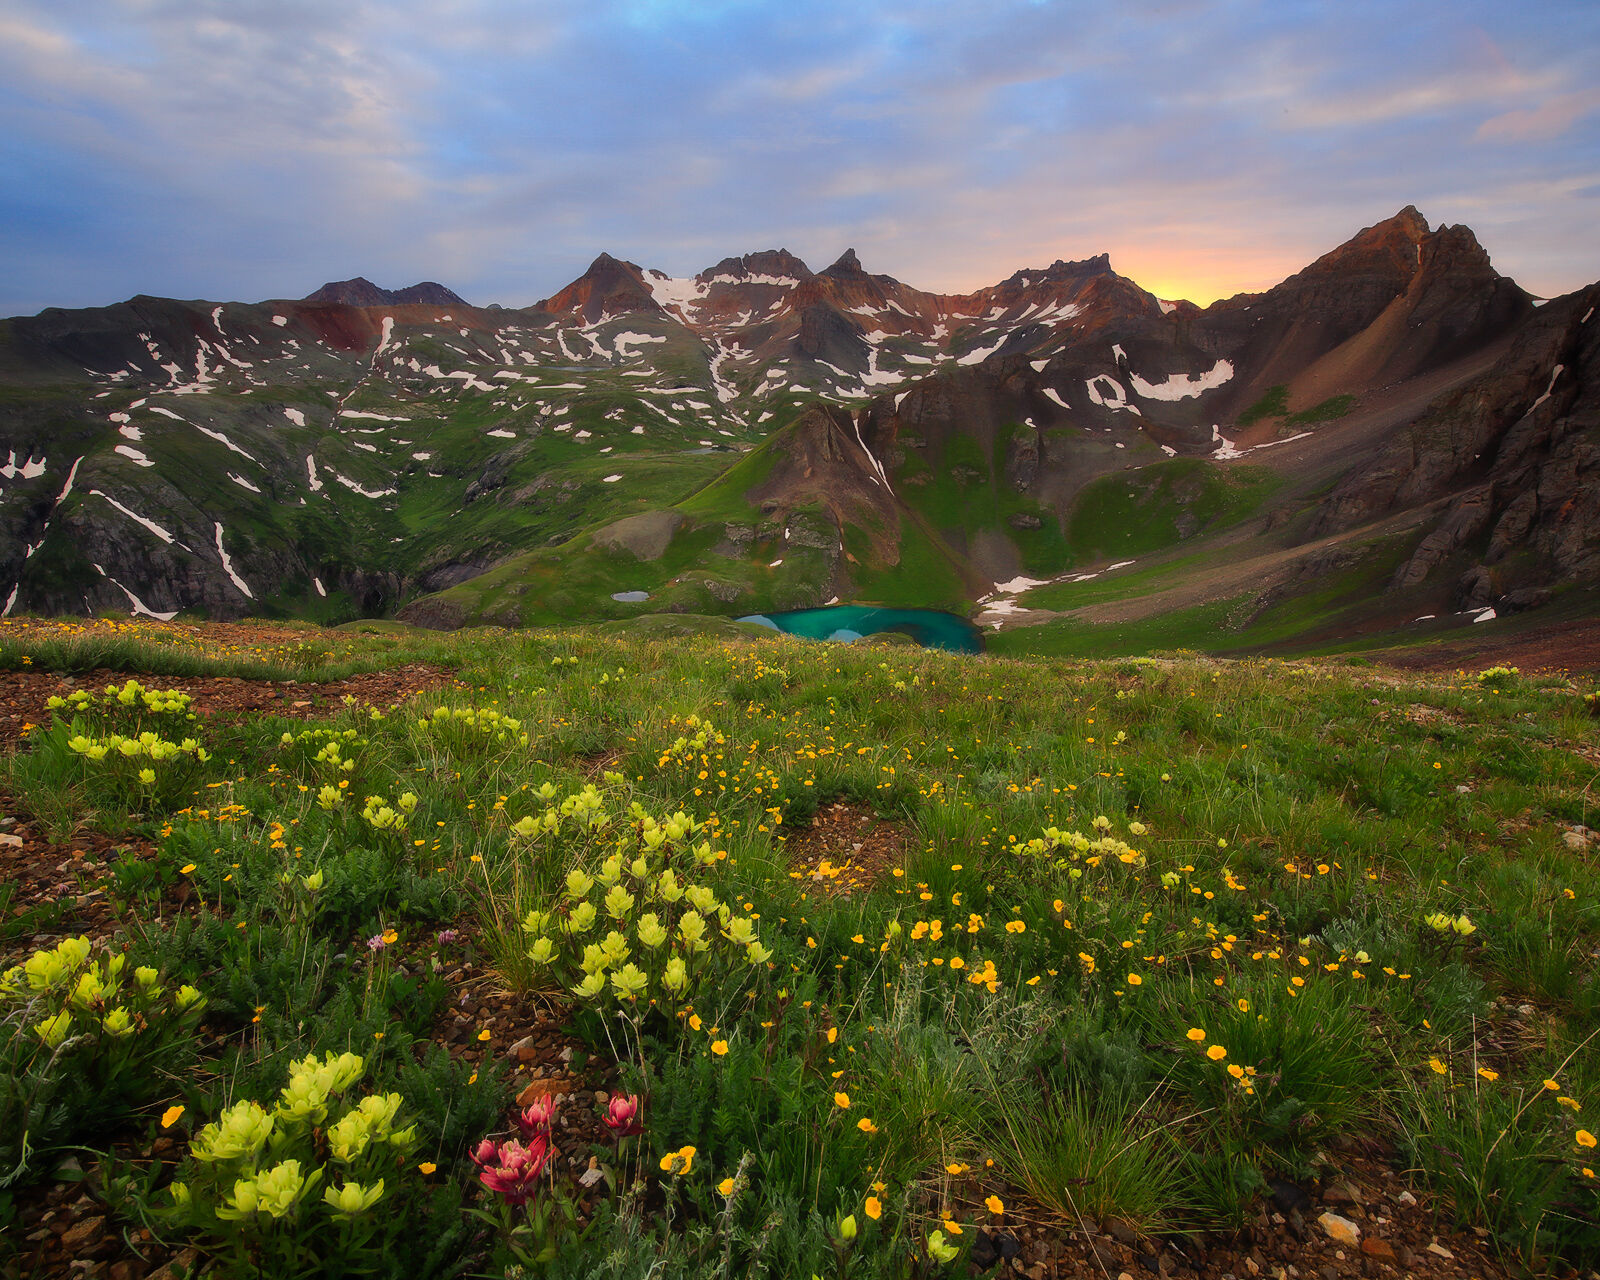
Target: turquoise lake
pixel 931 628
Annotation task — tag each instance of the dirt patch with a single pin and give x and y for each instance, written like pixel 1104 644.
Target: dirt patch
pixel 1568 647
pixel 23 694
pixel 846 847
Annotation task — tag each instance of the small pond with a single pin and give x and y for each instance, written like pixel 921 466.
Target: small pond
pixel 931 628
pixel 630 597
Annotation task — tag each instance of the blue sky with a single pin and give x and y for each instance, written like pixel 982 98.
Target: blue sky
pixel 247 149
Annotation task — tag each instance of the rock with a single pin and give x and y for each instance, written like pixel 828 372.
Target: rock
pixel 1120 1231
pixel 1340 1229
pixel 180 1266
pixel 1405 1197
pixel 84 1235
pixel 1382 1250
pixel 536 1089
pixel 1287 1196
pixel 1439 1251
pixel 1340 1193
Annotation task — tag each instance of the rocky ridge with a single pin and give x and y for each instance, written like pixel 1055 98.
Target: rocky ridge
pixel 359 447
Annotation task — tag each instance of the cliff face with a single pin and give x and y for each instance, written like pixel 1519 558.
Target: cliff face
pixel 1516 456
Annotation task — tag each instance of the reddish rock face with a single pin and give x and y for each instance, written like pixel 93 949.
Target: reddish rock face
pixel 609 287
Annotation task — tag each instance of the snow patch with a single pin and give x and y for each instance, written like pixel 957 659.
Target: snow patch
pixel 311 473
pixel 610 479
pixel 243 483
pixel 350 484
pixel 317 583
pixel 128 451
pixel 1554 374
pixel 1017 585
pixel 1181 386
pixel 67 488
pixel 374 417
pixel 1488 615
pixel 981 353
pixel 502 434
pixel 421 457
pixel 1113 398
pixel 136 605
pixel 295 416
pixel 227 566
pixel 280 321
pixel 1053 394
pixel 625 340
pixel 134 516
pixel 32 469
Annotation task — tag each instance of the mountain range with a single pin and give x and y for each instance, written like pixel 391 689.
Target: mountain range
pixel 1396 435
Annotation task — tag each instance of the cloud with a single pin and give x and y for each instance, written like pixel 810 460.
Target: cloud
pixel 247 148
pixel 1549 120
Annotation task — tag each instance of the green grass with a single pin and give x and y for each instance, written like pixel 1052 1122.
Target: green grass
pixel 1106 869
pixel 1135 513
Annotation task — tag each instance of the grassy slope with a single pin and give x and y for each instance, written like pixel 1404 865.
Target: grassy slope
pixel 1297 824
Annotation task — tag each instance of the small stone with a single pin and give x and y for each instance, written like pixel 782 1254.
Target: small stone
pixel 1405 1197
pixel 83 1235
pixel 1340 1229
pixel 182 1265
pixel 1340 1193
pixel 10 840
pixel 1439 1251
pixel 1382 1250
pixel 1120 1231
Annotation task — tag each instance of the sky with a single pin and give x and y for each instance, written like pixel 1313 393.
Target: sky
pixel 252 149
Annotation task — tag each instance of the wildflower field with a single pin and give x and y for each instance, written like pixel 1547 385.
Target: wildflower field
pixel 1148 958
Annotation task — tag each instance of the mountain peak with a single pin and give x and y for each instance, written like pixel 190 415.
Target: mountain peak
pixel 770 266
pixel 361 292
pixel 847 265
pixel 610 286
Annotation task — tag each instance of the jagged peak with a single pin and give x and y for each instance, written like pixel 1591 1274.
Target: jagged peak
pixel 847 265
pixel 772 264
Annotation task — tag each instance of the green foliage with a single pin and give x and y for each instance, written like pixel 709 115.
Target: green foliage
pixel 1274 403
pixel 962 910
pixel 1085 1159
pixel 85 1041
pixel 317 1183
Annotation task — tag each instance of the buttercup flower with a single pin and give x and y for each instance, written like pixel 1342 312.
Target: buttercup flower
pixel 679 1161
